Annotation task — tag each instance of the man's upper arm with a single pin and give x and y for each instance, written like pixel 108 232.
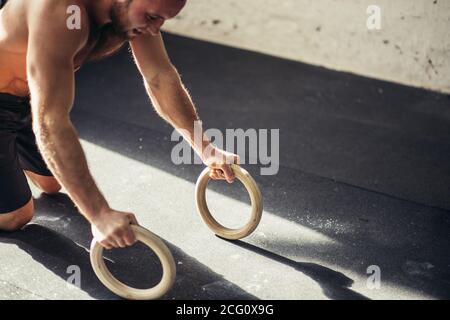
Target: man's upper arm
pixel 51 50
pixel 151 57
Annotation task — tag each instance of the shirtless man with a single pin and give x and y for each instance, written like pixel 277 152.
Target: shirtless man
pixel 39 55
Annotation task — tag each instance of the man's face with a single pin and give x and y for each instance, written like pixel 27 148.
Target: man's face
pixel 132 18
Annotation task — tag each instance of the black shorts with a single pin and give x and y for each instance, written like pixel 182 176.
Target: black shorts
pixel 18 152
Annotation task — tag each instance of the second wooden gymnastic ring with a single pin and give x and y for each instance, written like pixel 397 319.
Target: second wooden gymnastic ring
pixel 216 227
pixel 121 289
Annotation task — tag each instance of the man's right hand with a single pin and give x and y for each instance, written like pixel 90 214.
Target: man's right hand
pixel 112 229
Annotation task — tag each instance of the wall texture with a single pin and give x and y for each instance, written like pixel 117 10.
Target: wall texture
pixel 412 47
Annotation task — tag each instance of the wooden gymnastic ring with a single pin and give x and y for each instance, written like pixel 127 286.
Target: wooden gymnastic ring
pixel 124 291
pixel 216 227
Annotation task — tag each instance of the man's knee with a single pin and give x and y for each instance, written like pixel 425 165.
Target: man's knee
pixel 15 220
pixel 47 184
pixel 50 186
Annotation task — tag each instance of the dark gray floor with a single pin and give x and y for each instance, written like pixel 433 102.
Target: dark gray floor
pixel 364 180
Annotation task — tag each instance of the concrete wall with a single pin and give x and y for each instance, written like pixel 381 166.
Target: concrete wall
pixel 412 47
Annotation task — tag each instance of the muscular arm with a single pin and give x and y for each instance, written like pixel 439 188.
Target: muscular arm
pixel 165 88
pixel 50 72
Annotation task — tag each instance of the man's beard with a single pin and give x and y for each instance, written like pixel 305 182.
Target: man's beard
pixel 119 14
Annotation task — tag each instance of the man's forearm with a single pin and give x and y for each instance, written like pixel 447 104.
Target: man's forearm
pixel 62 151
pixel 174 104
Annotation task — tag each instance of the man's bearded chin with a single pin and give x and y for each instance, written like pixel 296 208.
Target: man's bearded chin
pixel 119 13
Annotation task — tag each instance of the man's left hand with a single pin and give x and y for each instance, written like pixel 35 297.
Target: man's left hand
pixel 219 161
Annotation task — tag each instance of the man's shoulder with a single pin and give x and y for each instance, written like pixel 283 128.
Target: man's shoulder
pixel 54 6
pixel 57 11
pixel 59 19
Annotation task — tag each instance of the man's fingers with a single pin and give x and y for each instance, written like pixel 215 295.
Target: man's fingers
pixel 129 237
pixel 125 236
pixel 106 244
pixel 225 173
pixel 214 174
pixel 121 242
pixel 228 172
pixel 113 241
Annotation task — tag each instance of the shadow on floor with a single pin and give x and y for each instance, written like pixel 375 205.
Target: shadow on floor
pixel 335 285
pixel 58 237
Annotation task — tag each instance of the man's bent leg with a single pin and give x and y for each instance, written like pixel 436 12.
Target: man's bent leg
pixel 14 220
pixel 48 184
pixel 16 203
